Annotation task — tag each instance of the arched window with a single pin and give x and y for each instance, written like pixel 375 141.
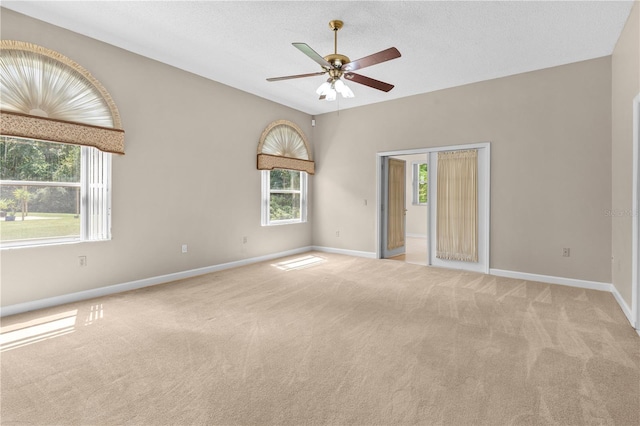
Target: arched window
pixel 283 145
pixel 58 128
pixel 285 161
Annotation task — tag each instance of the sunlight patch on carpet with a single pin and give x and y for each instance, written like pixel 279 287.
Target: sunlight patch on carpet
pixel 95 313
pixel 22 334
pixel 299 263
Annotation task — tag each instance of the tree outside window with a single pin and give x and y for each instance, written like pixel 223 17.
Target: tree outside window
pixel 284 193
pixel 420 183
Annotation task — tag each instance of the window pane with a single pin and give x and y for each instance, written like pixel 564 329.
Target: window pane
pixel 422 185
pixel 422 194
pixel 33 212
pixel 284 206
pixel 423 173
pixel 48 204
pixel 25 159
pixel 285 179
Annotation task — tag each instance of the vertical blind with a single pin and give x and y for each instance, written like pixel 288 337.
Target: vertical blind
pixel 96 200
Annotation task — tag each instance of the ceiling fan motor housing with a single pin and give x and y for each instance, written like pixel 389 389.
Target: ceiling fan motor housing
pixel 337 61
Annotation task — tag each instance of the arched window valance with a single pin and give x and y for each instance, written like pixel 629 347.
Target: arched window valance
pixel 45 95
pixel 283 145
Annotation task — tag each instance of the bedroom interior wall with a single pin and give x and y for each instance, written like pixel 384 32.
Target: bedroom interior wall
pixel 188 176
pixel 625 85
pixel 550 135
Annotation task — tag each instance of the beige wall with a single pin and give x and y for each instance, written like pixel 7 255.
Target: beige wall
pixel 550 134
pixel 625 86
pixel 188 177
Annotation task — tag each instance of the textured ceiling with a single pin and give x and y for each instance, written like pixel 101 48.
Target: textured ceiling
pixel 443 43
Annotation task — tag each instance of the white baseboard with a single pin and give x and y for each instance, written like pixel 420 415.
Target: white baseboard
pixel 590 285
pixel 133 285
pixel 624 307
pixel 367 254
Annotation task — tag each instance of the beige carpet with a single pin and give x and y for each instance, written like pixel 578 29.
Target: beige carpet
pixel 326 339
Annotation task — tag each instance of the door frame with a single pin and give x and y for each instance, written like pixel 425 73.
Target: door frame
pixel 635 218
pixel 485 192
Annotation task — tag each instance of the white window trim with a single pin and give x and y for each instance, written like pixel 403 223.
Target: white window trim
pixel 266 195
pixel 415 178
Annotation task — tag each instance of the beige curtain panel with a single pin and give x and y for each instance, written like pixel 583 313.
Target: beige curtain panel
pixel 457 206
pixel 395 218
pixel 45 95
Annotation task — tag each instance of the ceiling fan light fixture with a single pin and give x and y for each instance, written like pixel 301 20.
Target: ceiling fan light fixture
pixel 343 89
pixel 329 90
pixel 324 88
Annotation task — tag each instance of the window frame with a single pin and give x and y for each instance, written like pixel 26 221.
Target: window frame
pixel 415 179
pixel 266 199
pixel 90 231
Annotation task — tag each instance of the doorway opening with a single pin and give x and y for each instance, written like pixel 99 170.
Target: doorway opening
pixel 413 208
pixel 418 222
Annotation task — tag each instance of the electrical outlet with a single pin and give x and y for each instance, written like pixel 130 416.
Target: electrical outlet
pixel 82 261
pixel 337 233
pixel 244 240
pixel 566 252
pixel 184 248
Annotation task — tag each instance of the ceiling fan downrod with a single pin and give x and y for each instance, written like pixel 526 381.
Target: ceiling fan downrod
pixel 336 60
pixel 335 26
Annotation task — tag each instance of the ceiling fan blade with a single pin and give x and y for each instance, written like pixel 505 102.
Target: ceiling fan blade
pixel 368 81
pixel 289 77
pixel 376 58
pixel 304 48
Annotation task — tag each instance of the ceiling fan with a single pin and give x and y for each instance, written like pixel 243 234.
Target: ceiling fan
pixel 337 66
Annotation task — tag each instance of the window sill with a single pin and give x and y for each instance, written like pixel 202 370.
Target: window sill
pixel 9 245
pixel 284 222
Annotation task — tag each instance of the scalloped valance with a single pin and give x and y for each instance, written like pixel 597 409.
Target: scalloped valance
pixel 283 145
pixel 45 95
